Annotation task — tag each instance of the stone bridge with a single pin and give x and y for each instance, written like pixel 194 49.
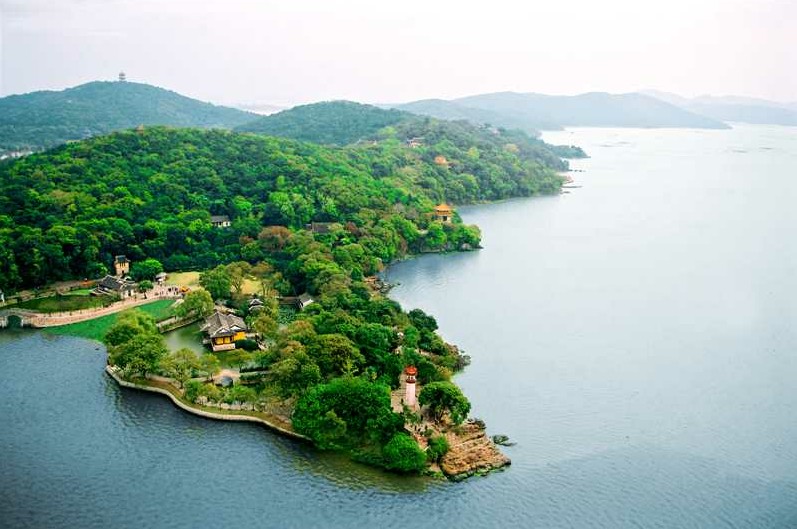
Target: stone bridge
pixel 27 318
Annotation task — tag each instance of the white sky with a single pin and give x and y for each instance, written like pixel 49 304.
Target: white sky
pixel 294 51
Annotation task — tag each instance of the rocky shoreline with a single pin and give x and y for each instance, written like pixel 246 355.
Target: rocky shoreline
pixel 472 452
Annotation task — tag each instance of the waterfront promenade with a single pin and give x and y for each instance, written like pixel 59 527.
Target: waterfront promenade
pixel 40 320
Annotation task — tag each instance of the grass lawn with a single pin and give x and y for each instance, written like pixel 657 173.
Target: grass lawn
pixel 184 279
pixel 65 303
pixel 80 292
pixel 95 329
pixel 191 280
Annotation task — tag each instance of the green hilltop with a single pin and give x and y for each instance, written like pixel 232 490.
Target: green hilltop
pixel 330 123
pixel 44 119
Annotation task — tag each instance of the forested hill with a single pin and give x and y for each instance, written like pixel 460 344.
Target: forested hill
pixel 346 123
pixel 45 119
pixel 329 123
pixel 150 193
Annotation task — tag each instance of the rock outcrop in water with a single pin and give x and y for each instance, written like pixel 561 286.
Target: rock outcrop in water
pixel 471 452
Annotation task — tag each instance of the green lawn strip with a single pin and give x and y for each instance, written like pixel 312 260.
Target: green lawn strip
pixel 95 329
pixel 65 303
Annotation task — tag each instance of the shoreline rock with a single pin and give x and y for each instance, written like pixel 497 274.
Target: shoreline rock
pixel 471 452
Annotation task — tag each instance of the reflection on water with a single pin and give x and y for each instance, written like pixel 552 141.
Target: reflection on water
pixel 188 337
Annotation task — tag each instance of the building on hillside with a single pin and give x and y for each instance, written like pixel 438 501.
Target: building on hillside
pixel 223 330
pixel 220 221
pixel 121 265
pixel 304 300
pixel 414 143
pixel 161 278
pixel 444 213
pixel 442 161
pixel 320 227
pixel 255 305
pixel 110 285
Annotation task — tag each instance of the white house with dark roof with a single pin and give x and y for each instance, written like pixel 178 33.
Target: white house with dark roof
pixel 110 285
pixel 220 221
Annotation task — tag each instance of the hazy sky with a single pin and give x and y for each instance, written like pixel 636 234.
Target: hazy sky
pixel 293 51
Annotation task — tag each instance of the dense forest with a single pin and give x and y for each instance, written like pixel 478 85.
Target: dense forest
pixel 150 193
pixel 304 218
pixel 330 123
pixel 45 119
pixel 348 123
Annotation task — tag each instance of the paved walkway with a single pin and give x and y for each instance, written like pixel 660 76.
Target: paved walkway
pixel 64 318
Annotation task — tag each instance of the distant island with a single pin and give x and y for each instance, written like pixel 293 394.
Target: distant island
pixel 532 112
pixel 734 108
pixel 309 225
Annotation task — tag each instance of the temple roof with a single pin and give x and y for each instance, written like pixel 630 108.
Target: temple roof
pixel 220 324
pixel 113 283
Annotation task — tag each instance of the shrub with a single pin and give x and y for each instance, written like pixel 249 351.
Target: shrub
pixel 438 447
pixel 192 390
pixel 251 378
pixel 246 344
pixel 444 397
pixel 403 454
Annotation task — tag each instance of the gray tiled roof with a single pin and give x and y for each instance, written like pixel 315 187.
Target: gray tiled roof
pixel 115 284
pixel 220 324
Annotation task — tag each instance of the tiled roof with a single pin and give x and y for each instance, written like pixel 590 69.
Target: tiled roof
pixel 220 324
pixel 114 283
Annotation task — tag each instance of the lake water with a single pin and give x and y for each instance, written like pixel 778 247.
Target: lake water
pixel 635 338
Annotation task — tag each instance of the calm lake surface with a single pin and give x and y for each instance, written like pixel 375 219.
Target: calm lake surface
pixel 635 338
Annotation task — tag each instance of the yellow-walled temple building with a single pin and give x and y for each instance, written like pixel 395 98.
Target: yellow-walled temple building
pixel 224 330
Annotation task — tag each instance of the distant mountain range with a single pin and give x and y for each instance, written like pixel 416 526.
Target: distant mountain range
pixel 532 112
pixel 44 119
pixel 734 108
pixel 40 120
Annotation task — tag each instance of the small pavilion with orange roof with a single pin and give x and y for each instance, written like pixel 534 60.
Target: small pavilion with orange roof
pixel 444 213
